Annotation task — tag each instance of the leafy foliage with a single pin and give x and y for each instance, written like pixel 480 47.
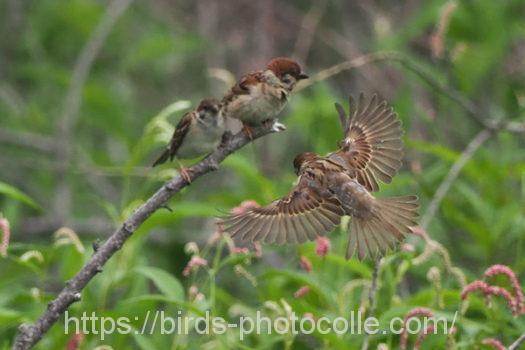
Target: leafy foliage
pixel 155 60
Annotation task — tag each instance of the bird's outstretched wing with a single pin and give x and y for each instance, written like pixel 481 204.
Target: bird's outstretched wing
pixel 372 148
pixel 302 215
pixel 182 128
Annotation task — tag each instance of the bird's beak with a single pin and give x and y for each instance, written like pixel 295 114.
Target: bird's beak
pixel 302 76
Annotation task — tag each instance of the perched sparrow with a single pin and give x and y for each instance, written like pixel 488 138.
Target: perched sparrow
pixel 260 96
pixel 337 185
pixel 198 132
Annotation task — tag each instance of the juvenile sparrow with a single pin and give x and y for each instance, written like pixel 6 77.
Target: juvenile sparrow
pixel 337 185
pixel 198 133
pixel 258 97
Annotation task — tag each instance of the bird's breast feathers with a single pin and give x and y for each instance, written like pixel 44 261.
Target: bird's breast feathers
pixel 200 140
pixel 264 101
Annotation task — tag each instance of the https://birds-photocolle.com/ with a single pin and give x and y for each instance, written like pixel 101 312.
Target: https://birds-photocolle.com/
pixel 338 184
pixel 258 97
pixel 198 133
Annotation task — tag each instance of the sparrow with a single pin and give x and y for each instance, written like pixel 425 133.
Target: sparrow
pixel 341 183
pixel 198 133
pixel 258 97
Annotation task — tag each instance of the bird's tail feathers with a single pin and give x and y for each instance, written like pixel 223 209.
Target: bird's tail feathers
pixel 389 222
pixel 163 158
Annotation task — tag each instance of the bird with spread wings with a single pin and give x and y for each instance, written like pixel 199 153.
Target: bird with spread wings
pixel 338 184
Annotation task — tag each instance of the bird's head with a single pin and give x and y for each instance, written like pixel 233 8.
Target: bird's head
pixel 302 159
pixel 287 70
pixel 208 111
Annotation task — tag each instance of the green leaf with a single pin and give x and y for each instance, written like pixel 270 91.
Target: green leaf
pixel 164 281
pixel 8 316
pixel 352 265
pixel 144 342
pixel 18 195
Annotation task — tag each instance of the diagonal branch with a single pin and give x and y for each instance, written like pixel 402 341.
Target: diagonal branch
pixel 517 343
pixel 29 335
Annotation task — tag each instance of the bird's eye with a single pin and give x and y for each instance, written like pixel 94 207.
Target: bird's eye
pixel 286 79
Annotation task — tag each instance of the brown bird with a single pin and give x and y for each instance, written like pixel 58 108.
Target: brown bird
pixel 340 184
pixel 198 133
pixel 259 97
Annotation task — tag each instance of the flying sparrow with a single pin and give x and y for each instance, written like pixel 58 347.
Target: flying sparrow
pixel 260 96
pixel 340 184
pixel 198 133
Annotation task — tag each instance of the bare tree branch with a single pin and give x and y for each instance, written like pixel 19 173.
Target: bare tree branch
pixel 517 343
pixel 29 335
pixel 72 101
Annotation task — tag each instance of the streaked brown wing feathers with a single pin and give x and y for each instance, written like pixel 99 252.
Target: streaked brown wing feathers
pixel 372 147
pixel 182 128
pixel 302 215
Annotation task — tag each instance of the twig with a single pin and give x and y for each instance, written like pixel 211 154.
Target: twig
pixel 453 173
pixel 517 343
pixel 344 66
pixel 454 95
pixel 372 299
pixel 437 39
pixel 72 101
pixel 29 335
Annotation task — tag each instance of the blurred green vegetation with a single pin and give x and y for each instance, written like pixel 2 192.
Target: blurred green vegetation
pixel 154 66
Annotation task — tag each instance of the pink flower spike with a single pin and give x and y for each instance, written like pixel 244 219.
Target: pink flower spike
pixel 505 270
pixel 75 341
pixel 472 287
pixel 422 336
pixel 193 291
pixel 407 247
pixel 305 264
pixel 506 295
pixel 418 311
pixel 495 343
pixel 301 292
pixel 420 232
pixel 489 290
pixel 240 250
pixel 322 246
pixel 193 264
pixel 6 235
pixel 258 249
